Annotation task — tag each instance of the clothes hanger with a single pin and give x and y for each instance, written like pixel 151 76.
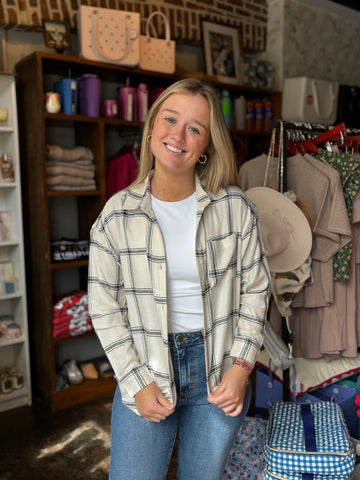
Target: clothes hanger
pixel 334 133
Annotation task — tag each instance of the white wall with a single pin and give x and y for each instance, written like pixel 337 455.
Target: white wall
pixel 321 44
pixel 314 38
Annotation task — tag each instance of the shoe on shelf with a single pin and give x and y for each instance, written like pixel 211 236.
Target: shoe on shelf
pixel 61 380
pixel 89 371
pixel 73 372
pixel 104 368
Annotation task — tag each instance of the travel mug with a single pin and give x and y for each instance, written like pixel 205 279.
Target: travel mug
pixel 142 102
pixel 92 96
pixel 69 96
pixel 110 109
pixel 126 101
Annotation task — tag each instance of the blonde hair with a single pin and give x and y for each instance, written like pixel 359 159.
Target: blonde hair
pixel 220 169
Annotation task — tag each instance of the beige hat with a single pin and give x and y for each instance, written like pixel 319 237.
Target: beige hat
pixel 284 228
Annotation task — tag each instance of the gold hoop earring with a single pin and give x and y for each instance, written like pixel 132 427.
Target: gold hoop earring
pixel 204 159
pixel 148 138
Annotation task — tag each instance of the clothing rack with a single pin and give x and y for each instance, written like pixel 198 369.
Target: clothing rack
pixel 310 127
pixel 320 134
pixel 314 138
pixel 313 134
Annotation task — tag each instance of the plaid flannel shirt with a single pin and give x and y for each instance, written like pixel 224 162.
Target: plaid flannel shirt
pixel 127 287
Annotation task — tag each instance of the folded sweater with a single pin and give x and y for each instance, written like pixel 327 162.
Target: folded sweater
pixel 56 152
pixel 70 181
pixel 59 168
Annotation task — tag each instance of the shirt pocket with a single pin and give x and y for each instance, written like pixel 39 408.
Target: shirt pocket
pixel 222 259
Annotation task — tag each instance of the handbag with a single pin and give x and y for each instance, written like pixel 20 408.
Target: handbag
pixel 277 349
pixel 108 35
pixel 307 441
pixel 309 100
pixel 157 54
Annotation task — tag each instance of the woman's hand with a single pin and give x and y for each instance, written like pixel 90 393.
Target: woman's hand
pixel 230 394
pixel 152 405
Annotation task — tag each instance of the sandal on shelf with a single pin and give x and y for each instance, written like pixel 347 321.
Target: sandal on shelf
pixel 73 372
pixel 89 371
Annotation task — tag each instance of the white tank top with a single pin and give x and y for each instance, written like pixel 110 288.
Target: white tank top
pixel 177 222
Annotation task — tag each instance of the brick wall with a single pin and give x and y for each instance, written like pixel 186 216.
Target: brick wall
pixel 184 15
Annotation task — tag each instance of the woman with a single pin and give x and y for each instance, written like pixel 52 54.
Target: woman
pixel 178 292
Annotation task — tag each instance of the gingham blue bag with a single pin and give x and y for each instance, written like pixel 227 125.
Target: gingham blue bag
pixel 301 476
pixel 307 441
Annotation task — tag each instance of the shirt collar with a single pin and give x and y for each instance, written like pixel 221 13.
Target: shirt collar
pixel 139 196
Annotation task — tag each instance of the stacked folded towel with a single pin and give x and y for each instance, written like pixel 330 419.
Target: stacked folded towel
pixel 70 169
pixel 71 316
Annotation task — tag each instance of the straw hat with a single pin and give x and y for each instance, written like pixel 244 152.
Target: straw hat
pixel 284 228
pixel 304 207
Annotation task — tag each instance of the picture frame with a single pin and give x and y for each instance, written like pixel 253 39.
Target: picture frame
pixel 222 51
pixel 56 35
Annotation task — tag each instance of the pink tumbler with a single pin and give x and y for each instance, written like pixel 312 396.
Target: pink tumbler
pixel 110 109
pixel 142 102
pixel 126 102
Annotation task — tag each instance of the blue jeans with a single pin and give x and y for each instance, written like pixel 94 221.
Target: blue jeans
pixel 141 450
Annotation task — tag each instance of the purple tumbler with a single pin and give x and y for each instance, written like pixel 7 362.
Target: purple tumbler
pixel 89 95
pixel 82 92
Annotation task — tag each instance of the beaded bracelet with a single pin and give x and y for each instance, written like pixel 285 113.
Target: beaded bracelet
pixel 244 364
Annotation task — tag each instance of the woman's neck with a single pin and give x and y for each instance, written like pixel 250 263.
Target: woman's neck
pixel 172 189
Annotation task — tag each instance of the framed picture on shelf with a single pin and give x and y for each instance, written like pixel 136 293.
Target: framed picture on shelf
pixel 56 35
pixel 222 51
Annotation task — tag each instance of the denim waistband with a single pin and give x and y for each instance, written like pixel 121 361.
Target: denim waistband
pixel 185 338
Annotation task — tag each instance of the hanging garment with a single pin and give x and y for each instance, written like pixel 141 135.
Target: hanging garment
pixel 349 170
pixel 333 331
pixel 354 284
pixel 332 232
pixel 121 171
pixel 320 185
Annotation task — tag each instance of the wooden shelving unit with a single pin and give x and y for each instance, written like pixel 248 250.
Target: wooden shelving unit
pixel 36 75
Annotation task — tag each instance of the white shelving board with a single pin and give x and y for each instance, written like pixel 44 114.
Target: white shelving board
pixel 13 352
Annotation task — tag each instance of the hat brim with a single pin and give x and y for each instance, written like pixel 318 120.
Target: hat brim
pixel 300 239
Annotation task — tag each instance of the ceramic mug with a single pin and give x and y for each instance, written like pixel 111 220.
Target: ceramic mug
pixel 52 102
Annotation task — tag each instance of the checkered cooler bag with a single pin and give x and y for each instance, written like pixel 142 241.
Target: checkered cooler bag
pixel 307 441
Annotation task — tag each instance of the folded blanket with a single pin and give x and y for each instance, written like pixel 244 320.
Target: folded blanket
pixel 73 323
pixel 55 152
pixel 71 332
pixel 75 297
pixel 76 163
pixel 66 169
pixel 69 180
pixel 81 314
pixel 65 188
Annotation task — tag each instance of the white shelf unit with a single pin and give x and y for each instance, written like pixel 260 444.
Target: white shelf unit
pixel 13 352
